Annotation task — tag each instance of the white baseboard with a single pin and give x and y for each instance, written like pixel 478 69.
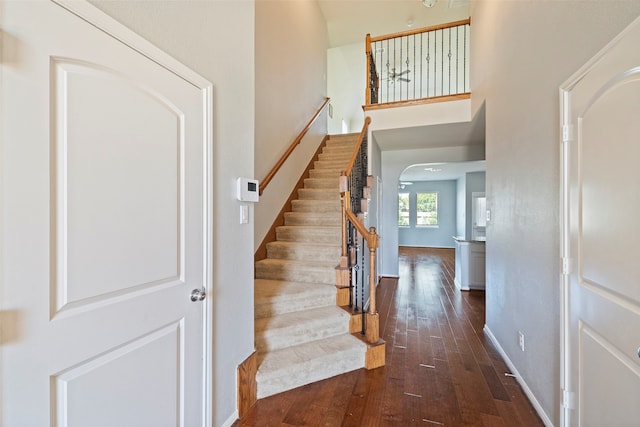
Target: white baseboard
pixel 543 415
pixel 427 247
pixel 232 419
pixel 459 285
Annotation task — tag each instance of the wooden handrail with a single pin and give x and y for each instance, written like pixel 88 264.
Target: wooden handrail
pixel 418 31
pixel 370 235
pixel 296 141
pixel 363 132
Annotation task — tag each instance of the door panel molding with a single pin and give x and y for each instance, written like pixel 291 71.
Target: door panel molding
pixel 69 391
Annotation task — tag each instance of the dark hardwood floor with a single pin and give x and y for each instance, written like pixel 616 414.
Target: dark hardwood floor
pixel 440 368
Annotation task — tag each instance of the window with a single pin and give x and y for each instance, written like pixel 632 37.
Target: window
pixel 427 209
pixel 403 209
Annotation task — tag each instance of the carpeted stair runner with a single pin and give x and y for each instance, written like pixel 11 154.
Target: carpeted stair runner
pixel 301 335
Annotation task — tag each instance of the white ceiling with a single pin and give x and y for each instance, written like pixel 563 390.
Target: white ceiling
pixel 349 21
pixel 434 136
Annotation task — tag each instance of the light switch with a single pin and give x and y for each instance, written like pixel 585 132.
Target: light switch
pixel 244 214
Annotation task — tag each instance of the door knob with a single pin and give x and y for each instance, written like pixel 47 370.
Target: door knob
pixel 198 294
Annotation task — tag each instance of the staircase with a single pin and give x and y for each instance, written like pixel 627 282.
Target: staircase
pixel 301 335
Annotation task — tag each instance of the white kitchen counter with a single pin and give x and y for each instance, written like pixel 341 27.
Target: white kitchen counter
pixel 470 264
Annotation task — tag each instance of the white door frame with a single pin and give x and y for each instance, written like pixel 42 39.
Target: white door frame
pixel 567 403
pixel 110 26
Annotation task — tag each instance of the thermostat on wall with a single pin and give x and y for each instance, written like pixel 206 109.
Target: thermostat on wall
pixel 248 190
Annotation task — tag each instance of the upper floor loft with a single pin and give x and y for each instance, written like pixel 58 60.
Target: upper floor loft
pixel 416 84
pixel 419 66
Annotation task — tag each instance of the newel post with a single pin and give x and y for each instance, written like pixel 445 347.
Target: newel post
pixel 343 278
pixel 373 322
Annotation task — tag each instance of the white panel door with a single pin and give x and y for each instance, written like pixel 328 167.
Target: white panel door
pixel 104 174
pixel 602 191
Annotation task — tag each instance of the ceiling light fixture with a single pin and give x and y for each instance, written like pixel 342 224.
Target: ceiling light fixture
pixel 404 184
pixel 429 3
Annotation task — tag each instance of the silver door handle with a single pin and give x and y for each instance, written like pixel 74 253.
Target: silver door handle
pixel 198 295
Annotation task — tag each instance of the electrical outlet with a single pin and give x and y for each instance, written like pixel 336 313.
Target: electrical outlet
pixel 521 340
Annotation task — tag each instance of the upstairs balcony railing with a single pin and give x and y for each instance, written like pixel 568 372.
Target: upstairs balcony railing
pixel 424 64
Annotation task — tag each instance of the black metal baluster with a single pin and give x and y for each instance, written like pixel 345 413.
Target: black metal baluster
pixel 442 63
pixel 376 79
pixel 373 77
pixel 457 58
pixel 428 59
pixel 387 100
pixel 435 62
pixel 377 55
pixel 465 59
pixel 449 55
pixel 356 267
pixel 407 62
pixel 421 85
pixel 414 66
pixel 398 78
pixel 393 68
pixel 364 324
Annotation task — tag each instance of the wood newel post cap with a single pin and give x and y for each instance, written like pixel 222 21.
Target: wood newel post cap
pixel 343 182
pixel 373 243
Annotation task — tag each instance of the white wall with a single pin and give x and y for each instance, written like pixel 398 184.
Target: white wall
pixel 421 115
pixel 372 217
pixel 522 52
pixel 461 211
pixel 393 163
pixel 346 85
pixel 290 68
pixel 216 39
